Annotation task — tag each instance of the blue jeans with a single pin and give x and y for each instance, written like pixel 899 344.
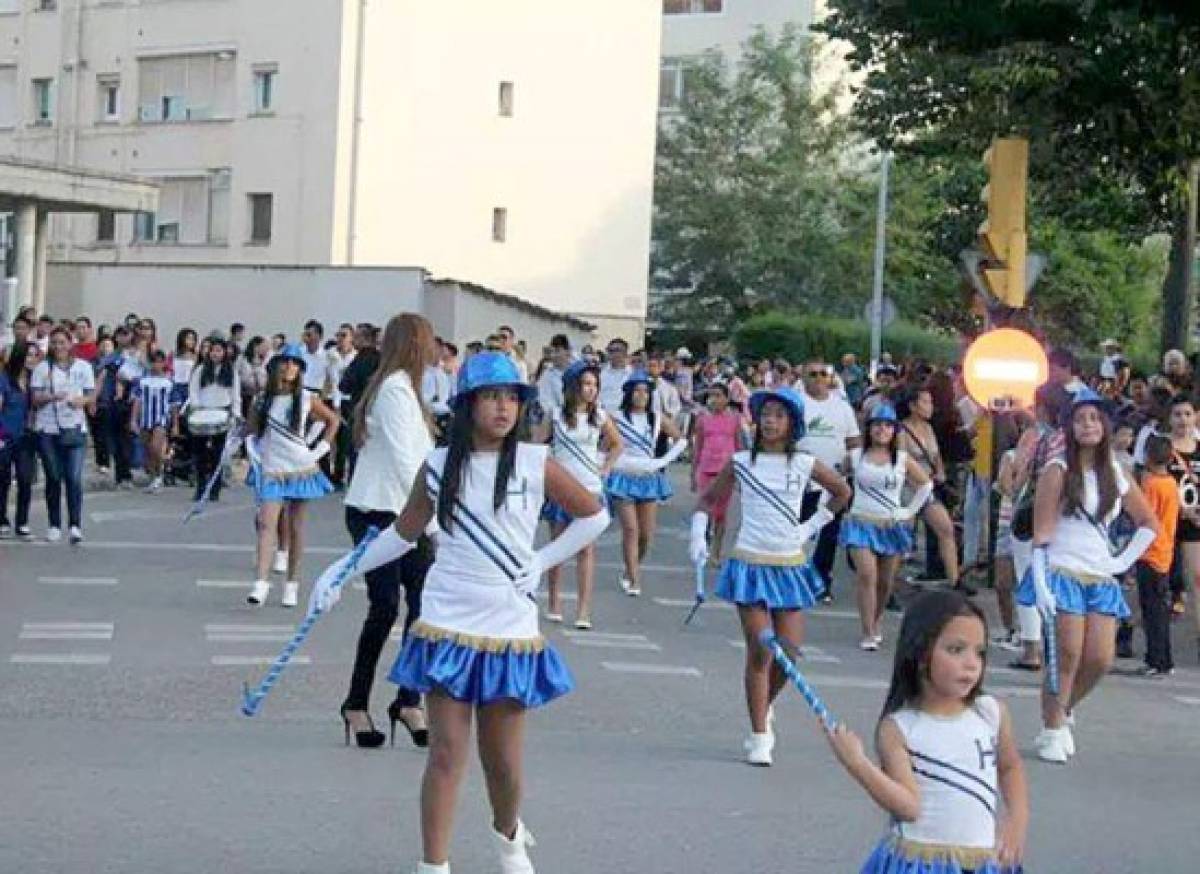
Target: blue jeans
pixel 63 465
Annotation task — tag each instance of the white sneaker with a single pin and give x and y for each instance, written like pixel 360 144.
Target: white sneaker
pixel 75 534
pixel 1068 739
pixel 281 560
pixel 53 535
pixel 1052 745
pixel 258 594
pixel 758 749
pixel 291 594
pixel 155 486
pixel 426 868
pixel 514 854
pixel 868 644
pixel 630 588
pixel 878 638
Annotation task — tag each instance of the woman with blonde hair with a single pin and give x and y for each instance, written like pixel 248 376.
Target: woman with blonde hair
pixel 392 436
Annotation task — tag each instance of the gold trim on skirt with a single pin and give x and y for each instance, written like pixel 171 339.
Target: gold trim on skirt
pixel 1082 578
pixel 475 641
pixel 881 521
pixel 965 857
pixel 794 560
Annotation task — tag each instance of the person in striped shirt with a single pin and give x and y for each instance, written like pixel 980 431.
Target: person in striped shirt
pixel 153 415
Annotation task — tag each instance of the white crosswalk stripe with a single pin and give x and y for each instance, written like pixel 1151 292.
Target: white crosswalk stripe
pixel 644 668
pixel 66 631
pixel 78 581
pixel 230 661
pixel 59 658
pixel 812 654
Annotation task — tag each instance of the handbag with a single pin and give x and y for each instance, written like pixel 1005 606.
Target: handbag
pixel 71 437
pixel 204 422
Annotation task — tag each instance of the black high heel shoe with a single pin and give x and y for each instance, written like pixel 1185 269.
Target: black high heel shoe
pixel 369 739
pixel 420 736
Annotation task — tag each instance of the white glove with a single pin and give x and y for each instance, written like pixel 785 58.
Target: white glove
pixel 636 465
pixel 531 577
pixel 315 430
pixel 676 450
pixel 1043 598
pixel 909 512
pixel 385 548
pixel 1138 544
pixel 318 452
pixel 813 525
pixel 698 546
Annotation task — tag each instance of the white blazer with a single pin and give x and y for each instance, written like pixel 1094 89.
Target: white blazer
pixel 397 444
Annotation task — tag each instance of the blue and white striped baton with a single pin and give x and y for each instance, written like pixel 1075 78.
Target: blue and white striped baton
pixel 699 594
pixel 232 443
pixel 252 700
pixel 1050 632
pixel 770 642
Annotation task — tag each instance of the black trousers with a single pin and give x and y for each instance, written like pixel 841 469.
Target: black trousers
pixel 383 594
pixel 827 540
pixel 1154 595
pixel 119 440
pixel 206 456
pixel 20 457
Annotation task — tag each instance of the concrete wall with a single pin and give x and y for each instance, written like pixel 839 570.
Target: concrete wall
pixel 688 35
pixel 573 165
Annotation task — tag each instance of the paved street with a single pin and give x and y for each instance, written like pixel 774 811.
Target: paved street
pixel 123 750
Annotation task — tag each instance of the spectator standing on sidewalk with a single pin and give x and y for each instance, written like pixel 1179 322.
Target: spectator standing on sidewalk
pixel 1153 569
pixel 613 376
pixel 85 341
pixel 62 388
pixel 113 404
pixel 182 363
pixel 18 443
pixel 355 380
pixel 252 372
pixel 316 365
pixel 340 358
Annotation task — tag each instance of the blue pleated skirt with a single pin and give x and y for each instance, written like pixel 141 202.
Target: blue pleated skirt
pixel 433 659
pixel 880 539
pixel 890 857
pixel 554 514
pixel 1078 598
pixel 298 488
pixel 776 587
pixel 628 487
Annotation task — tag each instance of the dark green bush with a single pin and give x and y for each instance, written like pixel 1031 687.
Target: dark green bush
pixel 793 337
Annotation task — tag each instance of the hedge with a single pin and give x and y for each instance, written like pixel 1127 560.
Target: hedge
pixel 793 337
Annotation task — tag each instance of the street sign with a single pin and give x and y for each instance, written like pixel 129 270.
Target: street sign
pixel 889 313
pixel 1004 368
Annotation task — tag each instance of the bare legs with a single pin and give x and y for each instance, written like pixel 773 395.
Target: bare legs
pixel 763 678
pixel 585 569
pixel 638 520
pixel 1086 646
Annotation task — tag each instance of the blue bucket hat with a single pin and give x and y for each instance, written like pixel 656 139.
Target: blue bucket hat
pixel 883 413
pixel 489 370
pixel 638 377
pixel 575 371
pixel 790 398
pixel 291 352
pixel 1087 397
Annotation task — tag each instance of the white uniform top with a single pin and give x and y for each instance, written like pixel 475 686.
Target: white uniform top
pixel 1078 544
pixel 470 587
pixel 578 448
pixel 772 495
pixel 284 452
pixel 954 760
pixel 637 434
pixel 877 487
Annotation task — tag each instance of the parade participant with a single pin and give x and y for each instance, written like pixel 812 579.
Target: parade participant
pixel 476 651
pixel 392 435
pixel 768 576
pixel 153 415
pixel 638 483
pixel 1072 570
pixel 210 411
pixel 718 435
pixel 878 529
pixel 1184 466
pixel 284 470
pixel 949 773
pixel 576 433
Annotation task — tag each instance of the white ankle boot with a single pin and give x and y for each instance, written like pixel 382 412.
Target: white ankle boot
pixel 426 868
pixel 291 594
pixel 514 856
pixel 1052 745
pixel 258 593
pixel 280 564
pixel 759 747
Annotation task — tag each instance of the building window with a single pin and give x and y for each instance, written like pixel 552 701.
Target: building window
pixel 499 224
pixel 261 207
pixel 220 185
pixel 43 101
pixel 106 226
pixel 188 211
pixel 691 7
pixel 46 5
pixel 264 89
pixel 10 7
pixel 670 83
pixel 186 87
pixel 8 97
pixel 108 98
pixel 506 99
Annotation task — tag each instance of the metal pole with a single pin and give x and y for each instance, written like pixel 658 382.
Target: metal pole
pixel 880 251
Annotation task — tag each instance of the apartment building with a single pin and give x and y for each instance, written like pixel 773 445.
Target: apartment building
pixel 507 145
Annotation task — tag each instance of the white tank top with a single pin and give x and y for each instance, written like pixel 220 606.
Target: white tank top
pixel 637 435
pixel 772 494
pixel 578 448
pixel 954 760
pixel 284 452
pixel 1080 543
pixel 470 587
pixel 877 487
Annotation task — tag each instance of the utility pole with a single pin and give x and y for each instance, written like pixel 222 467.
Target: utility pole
pixel 880 252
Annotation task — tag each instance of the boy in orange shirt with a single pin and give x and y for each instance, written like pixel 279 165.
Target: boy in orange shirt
pixel 1154 567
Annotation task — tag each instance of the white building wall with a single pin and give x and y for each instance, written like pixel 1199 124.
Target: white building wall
pixel 573 166
pixel 688 35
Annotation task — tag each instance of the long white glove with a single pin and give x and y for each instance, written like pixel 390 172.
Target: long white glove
pixel 812 526
pixel 698 545
pixel 314 432
pixel 1138 544
pixel 318 452
pixel 385 548
pixel 1043 598
pixel 909 512
pixel 640 466
pixel 579 534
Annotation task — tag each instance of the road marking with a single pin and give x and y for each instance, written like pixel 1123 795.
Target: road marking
pixel 63 658
pixel 231 661
pixel 689 602
pixel 224 584
pixel 77 581
pixel 543 595
pixel 70 626
pixel 603 635
pixel 260 637
pixel 641 668
pixel 125 515
pixel 1186 699
pixel 66 631
pixel 649 568
pixel 244 628
pixel 810 654
pixel 644 645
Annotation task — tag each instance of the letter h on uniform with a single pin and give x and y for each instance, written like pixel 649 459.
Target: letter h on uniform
pixel 522 493
pixel 985 754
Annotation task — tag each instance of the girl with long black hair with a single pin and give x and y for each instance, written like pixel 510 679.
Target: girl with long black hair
pixel 210 412
pixel 476 651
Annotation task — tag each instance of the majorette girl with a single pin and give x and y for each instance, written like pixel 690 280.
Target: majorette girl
pixel 878 529
pixel 768 576
pixel 639 481
pixel 476 650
